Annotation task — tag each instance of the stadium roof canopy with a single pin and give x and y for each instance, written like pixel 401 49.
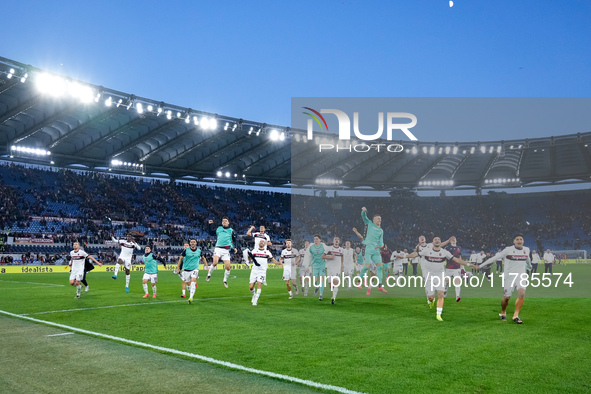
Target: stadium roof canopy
pixel 49 118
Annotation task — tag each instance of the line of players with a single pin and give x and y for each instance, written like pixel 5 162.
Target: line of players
pixel 322 261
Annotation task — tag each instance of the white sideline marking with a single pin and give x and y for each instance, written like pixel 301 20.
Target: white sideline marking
pixel 33 283
pixel 191 355
pixel 197 300
pixel 57 335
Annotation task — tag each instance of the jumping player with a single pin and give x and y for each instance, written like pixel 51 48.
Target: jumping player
pixel 260 257
pixel 226 238
pixel 288 258
pixel 124 258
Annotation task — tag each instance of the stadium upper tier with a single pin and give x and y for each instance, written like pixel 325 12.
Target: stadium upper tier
pixel 46 118
pixel 67 206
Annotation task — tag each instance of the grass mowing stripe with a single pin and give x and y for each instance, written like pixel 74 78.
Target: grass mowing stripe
pixel 33 283
pixel 190 355
pixel 136 304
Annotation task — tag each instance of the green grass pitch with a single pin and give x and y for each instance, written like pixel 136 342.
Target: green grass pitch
pixel 376 344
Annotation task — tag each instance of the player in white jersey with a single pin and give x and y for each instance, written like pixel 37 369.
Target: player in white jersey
pixel 434 258
pixel 260 257
pixel 258 236
pixel 334 265
pixel 305 262
pixel 77 259
pixel 127 246
pixel 517 261
pixel 426 265
pixel 398 258
pixel 288 258
pixel 348 262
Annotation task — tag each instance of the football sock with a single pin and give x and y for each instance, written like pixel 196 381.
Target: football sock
pixel 226 275
pixel 145 288
pixel 78 289
pixel 439 311
pixel 183 292
pixel 153 289
pixel 380 274
pixel 192 289
pixel 117 265
pixel 290 293
pixel 127 277
pixel 335 291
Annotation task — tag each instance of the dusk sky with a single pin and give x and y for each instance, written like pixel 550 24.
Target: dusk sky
pixel 248 59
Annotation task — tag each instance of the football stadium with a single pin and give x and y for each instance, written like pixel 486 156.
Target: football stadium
pixel 154 247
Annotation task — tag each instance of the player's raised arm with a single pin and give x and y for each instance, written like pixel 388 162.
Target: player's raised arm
pixel 249 232
pixel 364 216
pixel 357 233
pixel 444 244
pixel 211 228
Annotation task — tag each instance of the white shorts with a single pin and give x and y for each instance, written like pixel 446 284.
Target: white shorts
pixel 373 268
pixel 189 275
pixel 287 273
pixel 434 282
pixel 223 254
pixel 257 275
pixel 349 270
pixel 513 282
pixel 77 273
pixel 359 267
pixel 294 273
pixel 397 268
pixel 152 277
pixel 126 261
pixel 333 269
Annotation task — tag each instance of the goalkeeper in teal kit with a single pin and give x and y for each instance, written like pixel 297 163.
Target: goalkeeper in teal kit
pixel 374 242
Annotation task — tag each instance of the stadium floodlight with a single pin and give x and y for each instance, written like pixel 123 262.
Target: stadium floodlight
pixel 24 78
pixel 97 97
pixel 511 147
pixel 169 114
pixel 414 150
pixel 274 135
pixel 447 150
pixel 213 123
pixel 250 131
pixel 119 102
pixel 109 101
pixel 140 108
pixel 455 150
pixel 219 173
pixel 188 119
pixel 226 126
pixel 234 127
pixel 483 149
pixel 150 108
pixel 10 74
pixel 491 149
pixel 440 150
pixel 195 121
pixel 159 111
pixel 227 174
pixel 282 136
pixel 178 114
pixel 425 150
pixel 204 123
